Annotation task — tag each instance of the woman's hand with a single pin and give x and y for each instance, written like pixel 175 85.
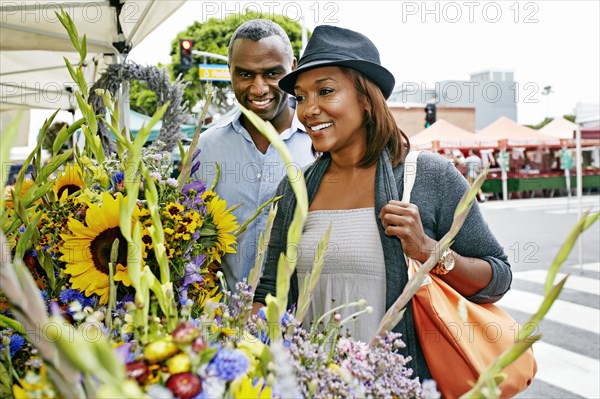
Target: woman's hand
pixel 402 219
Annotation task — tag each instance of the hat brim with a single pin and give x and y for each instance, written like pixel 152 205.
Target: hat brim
pixel 374 72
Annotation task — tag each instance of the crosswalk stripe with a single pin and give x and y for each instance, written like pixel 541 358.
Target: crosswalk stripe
pixel 582 284
pixel 542 203
pixel 570 211
pixel 570 314
pixel 591 267
pixel 567 370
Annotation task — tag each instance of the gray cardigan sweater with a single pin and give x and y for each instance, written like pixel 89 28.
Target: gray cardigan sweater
pixel 438 189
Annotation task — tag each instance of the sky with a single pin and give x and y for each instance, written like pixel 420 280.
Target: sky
pixel 545 43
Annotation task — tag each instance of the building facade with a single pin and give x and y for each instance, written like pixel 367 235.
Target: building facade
pixel 492 93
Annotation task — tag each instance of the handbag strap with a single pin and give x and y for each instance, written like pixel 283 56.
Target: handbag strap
pixel 410 174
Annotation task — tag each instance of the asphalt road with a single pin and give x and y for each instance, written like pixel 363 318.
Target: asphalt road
pixel 532 231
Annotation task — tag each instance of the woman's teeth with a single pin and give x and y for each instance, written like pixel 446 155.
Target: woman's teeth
pixel 320 126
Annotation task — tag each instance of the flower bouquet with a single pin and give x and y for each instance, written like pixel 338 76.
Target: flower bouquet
pixel 114 289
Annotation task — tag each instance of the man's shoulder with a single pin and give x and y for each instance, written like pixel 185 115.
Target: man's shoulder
pixel 222 127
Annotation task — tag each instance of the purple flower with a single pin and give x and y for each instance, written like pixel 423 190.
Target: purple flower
pixel 17 342
pixel 195 163
pixel 228 364
pixel 124 353
pixel 197 186
pixel 192 274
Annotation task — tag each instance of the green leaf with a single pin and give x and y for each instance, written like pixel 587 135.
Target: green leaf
pixel 71 70
pixel 25 237
pixel 53 164
pixel 67 22
pixel 186 166
pixel 244 226
pixel 83 51
pixel 61 138
pixel 7 322
pixel 144 133
pixel 581 225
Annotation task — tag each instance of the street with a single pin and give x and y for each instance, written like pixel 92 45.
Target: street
pixel 532 232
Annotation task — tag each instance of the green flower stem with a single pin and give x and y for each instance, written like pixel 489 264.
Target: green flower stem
pixel 263 243
pixel 287 263
pixel 187 159
pixel 310 281
pixel 244 226
pixel 315 325
pixel 524 339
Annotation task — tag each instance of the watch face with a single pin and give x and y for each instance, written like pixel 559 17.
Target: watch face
pixel 449 260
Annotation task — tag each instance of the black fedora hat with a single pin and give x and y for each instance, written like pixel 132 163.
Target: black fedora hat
pixel 333 46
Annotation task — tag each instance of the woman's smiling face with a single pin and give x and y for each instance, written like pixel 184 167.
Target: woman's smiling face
pixel 329 108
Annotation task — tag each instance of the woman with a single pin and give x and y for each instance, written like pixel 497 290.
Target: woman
pixel 355 185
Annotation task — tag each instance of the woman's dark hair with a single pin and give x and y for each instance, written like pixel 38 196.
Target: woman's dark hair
pixel 382 130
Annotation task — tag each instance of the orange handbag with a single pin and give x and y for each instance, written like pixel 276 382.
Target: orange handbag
pixel 457 351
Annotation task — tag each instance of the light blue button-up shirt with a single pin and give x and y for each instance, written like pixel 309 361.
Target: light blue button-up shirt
pixel 248 177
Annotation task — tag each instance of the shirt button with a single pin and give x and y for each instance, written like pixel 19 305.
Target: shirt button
pixel 258 176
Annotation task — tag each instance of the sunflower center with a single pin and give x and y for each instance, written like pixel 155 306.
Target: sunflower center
pixel 101 247
pixel 70 188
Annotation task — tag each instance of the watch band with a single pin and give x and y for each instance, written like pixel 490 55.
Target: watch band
pixel 445 264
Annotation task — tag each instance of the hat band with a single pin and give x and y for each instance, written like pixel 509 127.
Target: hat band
pixel 327 56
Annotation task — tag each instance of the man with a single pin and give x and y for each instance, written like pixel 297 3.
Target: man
pixel 260 53
pixel 473 164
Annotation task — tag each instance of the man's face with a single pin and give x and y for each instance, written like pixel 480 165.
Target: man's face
pixel 256 68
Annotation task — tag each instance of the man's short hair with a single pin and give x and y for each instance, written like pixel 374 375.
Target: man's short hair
pixel 257 29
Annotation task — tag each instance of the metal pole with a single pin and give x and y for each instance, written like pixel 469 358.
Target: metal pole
pixel 579 189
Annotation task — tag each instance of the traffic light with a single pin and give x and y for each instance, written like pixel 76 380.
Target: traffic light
pixel 429 115
pixel 185 54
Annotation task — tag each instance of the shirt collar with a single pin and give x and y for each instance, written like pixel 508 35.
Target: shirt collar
pixel 236 123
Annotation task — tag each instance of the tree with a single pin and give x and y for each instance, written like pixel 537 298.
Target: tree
pixel 541 124
pixel 213 36
pixel 141 99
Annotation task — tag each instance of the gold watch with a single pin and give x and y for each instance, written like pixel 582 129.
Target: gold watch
pixel 445 264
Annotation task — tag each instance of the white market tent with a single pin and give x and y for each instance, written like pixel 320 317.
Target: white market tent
pixel 443 134
pixel 33 43
pixel 504 132
pixel 560 128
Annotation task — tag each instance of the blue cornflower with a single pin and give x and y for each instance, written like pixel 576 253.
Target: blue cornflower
pixel 69 295
pixel 118 178
pixel 229 364
pixel 16 343
pixel 44 295
pixel 261 314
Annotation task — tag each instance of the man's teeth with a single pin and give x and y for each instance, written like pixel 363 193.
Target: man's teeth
pixel 320 127
pixel 264 102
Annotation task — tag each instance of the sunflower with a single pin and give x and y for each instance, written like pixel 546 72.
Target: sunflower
pixel 86 251
pixel 225 224
pixel 69 181
pixel 8 200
